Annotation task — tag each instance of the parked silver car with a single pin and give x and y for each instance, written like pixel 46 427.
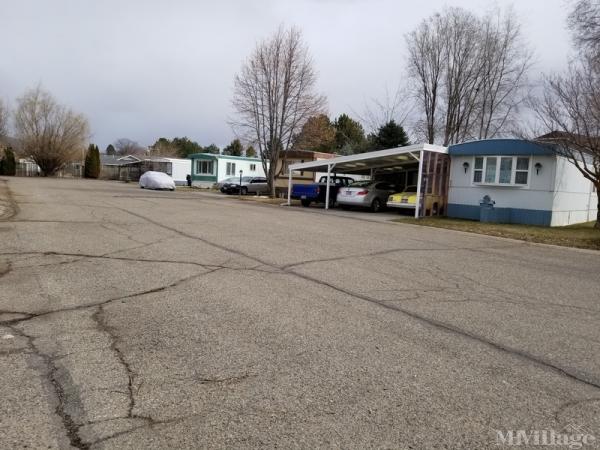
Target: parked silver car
pixel 366 194
pixel 250 185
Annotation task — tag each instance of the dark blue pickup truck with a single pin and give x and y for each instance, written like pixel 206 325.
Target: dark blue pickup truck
pixel 316 192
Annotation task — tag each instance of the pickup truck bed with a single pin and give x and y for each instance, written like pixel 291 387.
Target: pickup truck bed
pixel 316 192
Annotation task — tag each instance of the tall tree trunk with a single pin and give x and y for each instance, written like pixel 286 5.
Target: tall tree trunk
pixel 597 226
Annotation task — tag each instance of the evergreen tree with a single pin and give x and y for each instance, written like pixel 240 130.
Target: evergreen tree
pixel 390 135
pixel 212 148
pixel 9 164
pixel 349 135
pixel 92 162
pixel 97 163
pixel 235 148
pixel 250 152
pixel 110 150
pixel 186 146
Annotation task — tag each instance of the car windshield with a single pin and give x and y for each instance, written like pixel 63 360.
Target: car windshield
pixel 246 179
pixel 363 183
pixel 410 189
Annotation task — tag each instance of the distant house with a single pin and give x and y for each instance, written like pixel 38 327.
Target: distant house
pixel 208 168
pixel 27 167
pixel 131 167
pixel 298 177
pixel 520 182
pixel 113 167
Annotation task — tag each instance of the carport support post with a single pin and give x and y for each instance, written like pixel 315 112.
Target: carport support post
pixel 289 203
pixel 419 178
pixel 327 188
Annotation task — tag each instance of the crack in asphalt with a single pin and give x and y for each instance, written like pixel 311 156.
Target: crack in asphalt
pixel 583 378
pixel 82 256
pixel 215 380
pixel 508 295
pixel 571 403
pixel 100 319
pixel 69 423
pixel 71 428
pixel 6 269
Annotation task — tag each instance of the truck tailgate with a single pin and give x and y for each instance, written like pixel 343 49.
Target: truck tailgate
pixel 303 191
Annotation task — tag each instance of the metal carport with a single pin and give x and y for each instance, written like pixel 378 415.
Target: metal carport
pixel 372 162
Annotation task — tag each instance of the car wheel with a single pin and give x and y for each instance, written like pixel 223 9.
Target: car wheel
pixel 305 203
pixel 376 205
pixel 244 191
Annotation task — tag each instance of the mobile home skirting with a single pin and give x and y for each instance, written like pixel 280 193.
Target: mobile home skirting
pixel 502 215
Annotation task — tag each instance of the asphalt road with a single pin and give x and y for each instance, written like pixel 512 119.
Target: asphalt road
pixel 138 319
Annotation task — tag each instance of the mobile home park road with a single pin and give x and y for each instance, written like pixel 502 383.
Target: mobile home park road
pixel 141 319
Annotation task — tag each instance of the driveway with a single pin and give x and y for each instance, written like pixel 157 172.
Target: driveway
pixel 141 319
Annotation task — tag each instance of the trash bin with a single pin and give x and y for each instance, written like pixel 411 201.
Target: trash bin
pixel 487 212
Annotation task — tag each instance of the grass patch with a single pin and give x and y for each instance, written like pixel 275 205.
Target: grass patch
pixel 579 236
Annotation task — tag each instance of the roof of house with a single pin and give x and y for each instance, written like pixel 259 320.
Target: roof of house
pixel 512 147
pixel 309 154
pixel 362 163
pixel 214 156
pixel 117 160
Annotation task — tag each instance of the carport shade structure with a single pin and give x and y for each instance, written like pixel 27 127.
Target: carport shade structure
pixel 368 163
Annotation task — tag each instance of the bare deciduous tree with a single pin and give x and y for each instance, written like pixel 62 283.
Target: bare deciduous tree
pixel 274 95
pixel 391 107
pixel 4 116
pixel 125 146
pixel 584 22
pixel 569 108
pixel 467 74
pixel 462 73
pixel 164 147
pixel 51 134
pixel 426 48
pixel 570 112
pixel 506 61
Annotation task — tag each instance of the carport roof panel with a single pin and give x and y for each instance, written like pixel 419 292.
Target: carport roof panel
pixel 366 161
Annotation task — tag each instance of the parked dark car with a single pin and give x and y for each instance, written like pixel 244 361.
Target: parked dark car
pixel 221 183
pixel 316 192
pixel 250 185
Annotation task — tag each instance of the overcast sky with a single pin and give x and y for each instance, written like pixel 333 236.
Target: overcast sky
pixel 142 69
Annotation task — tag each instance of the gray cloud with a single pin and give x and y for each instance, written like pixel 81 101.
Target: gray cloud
pixel 143 69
